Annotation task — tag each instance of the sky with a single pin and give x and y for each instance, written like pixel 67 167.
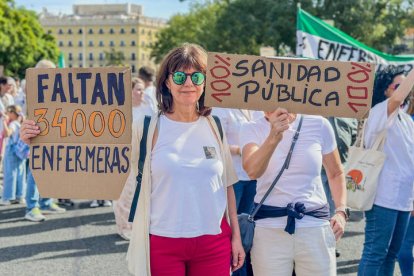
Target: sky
pixel 152 8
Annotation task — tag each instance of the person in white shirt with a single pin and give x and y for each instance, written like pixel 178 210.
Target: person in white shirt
pixel 298 202
pixel 149 101
pixel 387 221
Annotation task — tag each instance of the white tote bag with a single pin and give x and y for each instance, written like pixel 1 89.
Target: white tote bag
pixel 362 171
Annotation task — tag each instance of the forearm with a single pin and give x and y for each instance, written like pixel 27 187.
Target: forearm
pixel 231 203
pixel 255 163
pixel 338 189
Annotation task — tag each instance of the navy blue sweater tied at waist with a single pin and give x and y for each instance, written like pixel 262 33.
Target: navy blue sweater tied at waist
pixel 293 212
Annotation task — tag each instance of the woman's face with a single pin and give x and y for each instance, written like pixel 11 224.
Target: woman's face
pixel 394 85
pixel 187 93
pixel 137 93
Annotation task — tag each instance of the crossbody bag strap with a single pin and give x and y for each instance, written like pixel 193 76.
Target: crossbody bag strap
pixel 141 163
pixel 219 127
pixel 285 166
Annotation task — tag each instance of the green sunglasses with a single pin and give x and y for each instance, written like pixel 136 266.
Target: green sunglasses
pixel 179 77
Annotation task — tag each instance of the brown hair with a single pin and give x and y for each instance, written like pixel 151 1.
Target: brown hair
pixel 134 81
pixel 184 57
pixel 16 109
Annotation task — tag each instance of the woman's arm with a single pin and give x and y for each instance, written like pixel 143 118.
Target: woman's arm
pixel 336 178
pixel 238 253
pixel 399 95
pixel 256 158
pixel 7 131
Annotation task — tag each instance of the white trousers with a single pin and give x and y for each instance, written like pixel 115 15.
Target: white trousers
pixel 311 251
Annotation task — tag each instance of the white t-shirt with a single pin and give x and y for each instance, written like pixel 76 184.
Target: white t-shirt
pixel 396 181
pixel 188 197
pixel 232 120
pixel 302 180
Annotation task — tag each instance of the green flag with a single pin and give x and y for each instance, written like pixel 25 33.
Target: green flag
pixel 319 40
pixel 61 61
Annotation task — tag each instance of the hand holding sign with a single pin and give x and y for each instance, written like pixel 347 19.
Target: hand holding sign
pixel 28 130
pixel 279 121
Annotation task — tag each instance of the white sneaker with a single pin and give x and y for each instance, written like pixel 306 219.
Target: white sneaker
pixel 107 203
pixel 5 202
pixel 94 204
pixel 35 215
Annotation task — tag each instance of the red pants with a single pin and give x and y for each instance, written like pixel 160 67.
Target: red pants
pixel 200 256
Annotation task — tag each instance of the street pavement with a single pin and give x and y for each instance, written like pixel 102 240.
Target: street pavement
pixel 83 241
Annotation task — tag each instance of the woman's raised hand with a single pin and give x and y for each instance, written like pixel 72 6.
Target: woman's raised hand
pixel 279 120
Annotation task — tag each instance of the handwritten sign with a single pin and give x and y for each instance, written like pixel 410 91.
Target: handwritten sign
pixel 327 88
pixel 83 149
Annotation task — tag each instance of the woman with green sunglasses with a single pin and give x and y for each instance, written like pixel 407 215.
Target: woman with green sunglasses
pixel 186 219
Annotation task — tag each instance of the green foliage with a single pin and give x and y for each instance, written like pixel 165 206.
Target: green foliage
pixel 115 58
pixel 375 23
pixel 243 26
pixel 23 41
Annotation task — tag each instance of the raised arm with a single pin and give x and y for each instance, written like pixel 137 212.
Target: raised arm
pixel 256 158
pixel 402 92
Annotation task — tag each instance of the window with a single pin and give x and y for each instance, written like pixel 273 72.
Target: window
pixel 80 44
pixel 143 31
pixel 149 33
pixel 70 43
pixel 111 31
pixel 60 31
pixel 101 56
pixel 69 31
pixel 111 43
pixel 101 31
pixel 143 57
pixel 101 44
pixel 122 43
pixel 133 68
pixel 122 31
pixel 90 43
pixel 80 56
pixel 60 43
pixel 91 65
pixel 133 43
pixel 80 65
pixel 133 56
pixel 133 31
pixel 70 57
pixel 80 31
pixel 143 43
pixel 91 57
pixel 90 31
pixel 70 65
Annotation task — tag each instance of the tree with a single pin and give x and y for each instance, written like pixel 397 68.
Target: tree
pixel 243 26
pixel 23 41
pixel 375 23
pixel 113 57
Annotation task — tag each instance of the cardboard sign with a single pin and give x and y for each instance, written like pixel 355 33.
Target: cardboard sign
pixel 84 147
pixel 327 88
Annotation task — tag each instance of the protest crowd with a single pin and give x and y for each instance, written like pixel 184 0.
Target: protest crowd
pixel 205 166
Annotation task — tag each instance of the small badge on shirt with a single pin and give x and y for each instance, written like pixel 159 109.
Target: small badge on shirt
pixel 210 152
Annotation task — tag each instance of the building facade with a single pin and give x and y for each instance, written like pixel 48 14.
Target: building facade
pixel 92 32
